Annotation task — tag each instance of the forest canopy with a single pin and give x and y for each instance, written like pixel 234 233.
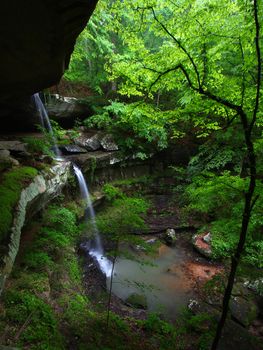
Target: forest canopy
pixel 179 69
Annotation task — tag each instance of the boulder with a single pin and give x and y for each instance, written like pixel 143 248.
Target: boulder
pixel 67 109
pixel 151 241
pixel 202 243
pixel 13 146
pixel 234 336
pixel 207 238
pixel 137 301
pixel 255 285
pixel 6 161
pixel 169 236
pixel 243 310
pixel 108 143
pixel 72 149
pixel 90 142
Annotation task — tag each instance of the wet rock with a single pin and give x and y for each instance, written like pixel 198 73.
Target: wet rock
pixel 240 290
pixel 169 236
pixel 137 301
pixel 72 149
pixel 236 337
pixel 88 141
pixel 139 248
pixel 243 310
pixel 151 240
pixel 108 143
pixel 15 146
pixel 4 153
pixel 6 161
pixel 256 286
pixel 70 108
pixel 201 245
pixel 207 238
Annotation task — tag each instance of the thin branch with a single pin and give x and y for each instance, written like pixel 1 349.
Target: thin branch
pixel 24 326
pixel 178 42
pixel 200 90
pixel 204 56
pixel 229 122
pixel 254 202
pixel 243 87
pixel 169 70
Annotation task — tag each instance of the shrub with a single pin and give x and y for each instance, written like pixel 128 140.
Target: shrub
pixel 222 198
pixel 38 145
pixel 62 220
pixel 41 331
pixel 38 260
pixel 112 192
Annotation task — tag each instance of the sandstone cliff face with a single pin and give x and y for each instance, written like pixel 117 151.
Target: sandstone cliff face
pixel 37 38
pixel 36 195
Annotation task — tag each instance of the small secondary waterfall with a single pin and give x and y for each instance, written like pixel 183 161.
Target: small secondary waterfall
pixel 96 250
pixel 45 122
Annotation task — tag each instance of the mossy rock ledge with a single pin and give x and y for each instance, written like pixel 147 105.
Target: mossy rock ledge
pixel 38 192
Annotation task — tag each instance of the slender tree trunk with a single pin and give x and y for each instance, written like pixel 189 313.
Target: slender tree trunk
pixel 111 282
pixel 249 200
pixel 236 258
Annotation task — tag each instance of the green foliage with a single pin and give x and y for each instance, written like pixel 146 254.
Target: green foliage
pixel 153 323
pixel 52 241
pixel 38 145
pixel 62 220
pixel 36 281
pixel 225 150
pixel 92 168
pixel 136 126
pixel 112 192
pixel 12 183
pixel 49 265
pixel 60 134
pixel 38 261
pixel 222 198
pixel 92 47
pixel 254 253
pixel 76 313
pixel 42 328
pixel 122 218
pixel 118 322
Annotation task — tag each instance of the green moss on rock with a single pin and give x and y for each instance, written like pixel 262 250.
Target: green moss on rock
pixel 12 183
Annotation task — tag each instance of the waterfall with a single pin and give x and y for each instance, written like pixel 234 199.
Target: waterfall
pixel 96 251
pixel 45 123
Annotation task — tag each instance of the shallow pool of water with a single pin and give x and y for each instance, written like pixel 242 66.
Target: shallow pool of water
pixel 163 281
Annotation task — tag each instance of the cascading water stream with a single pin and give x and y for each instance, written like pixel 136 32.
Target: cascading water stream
pixel 96 251
pixel 45 122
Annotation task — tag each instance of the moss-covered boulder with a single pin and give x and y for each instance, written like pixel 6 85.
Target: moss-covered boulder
pixel 137 301
pixel 243 310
